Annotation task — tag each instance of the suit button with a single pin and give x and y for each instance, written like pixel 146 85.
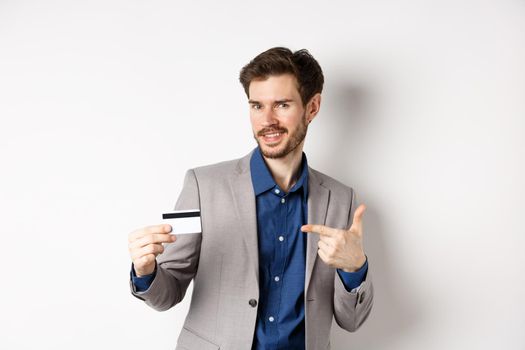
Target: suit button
pixel 361 298
pixel 253 302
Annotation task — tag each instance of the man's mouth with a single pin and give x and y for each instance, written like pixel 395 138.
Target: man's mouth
pixel 272 137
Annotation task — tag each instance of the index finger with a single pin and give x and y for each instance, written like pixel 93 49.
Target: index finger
pixel 155 238
pixel 320 229
pixel 153 229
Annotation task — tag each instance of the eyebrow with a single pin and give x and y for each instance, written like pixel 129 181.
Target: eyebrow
pixel 275 102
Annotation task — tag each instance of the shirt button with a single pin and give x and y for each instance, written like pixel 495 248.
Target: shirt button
pixel 283 200
pixel 281 238
pixel 277 191
pixel 253 302
pixel 276 278
pixel 271 319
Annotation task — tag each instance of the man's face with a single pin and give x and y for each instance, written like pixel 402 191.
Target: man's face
pixel 279 120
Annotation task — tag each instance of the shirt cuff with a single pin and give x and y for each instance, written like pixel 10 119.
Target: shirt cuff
pixel 144 282
pixel 352 280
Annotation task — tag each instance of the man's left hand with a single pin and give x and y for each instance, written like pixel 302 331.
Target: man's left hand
pixel 342 249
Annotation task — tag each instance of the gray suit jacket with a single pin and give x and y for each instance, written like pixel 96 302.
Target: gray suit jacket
pixel 223 262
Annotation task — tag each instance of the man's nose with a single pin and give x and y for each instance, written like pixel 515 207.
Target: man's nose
pixel 269 117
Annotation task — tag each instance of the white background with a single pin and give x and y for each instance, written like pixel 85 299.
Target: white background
pixel 105 104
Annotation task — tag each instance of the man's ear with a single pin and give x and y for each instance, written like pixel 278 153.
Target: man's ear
pixel 313 106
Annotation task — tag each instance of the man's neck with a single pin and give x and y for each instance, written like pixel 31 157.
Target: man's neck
pixel 286 171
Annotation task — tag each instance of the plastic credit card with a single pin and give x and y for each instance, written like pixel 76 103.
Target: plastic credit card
pixel 183 221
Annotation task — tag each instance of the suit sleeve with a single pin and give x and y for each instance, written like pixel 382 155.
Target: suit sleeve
pixel 352 309
pixel 177 265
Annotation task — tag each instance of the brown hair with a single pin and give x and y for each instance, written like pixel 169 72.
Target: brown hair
pixel 281 60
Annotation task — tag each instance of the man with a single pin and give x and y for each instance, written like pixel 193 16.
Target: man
pixel 280 254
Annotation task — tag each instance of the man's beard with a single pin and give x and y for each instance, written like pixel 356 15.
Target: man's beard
pixel 295 139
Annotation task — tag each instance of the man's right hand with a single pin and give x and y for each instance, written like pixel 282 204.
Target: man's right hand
pixel 145 244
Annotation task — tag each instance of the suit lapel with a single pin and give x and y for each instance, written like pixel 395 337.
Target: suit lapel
pixel 318 197
pixel 245 206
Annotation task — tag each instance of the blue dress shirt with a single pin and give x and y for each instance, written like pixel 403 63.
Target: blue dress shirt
pixel 282 259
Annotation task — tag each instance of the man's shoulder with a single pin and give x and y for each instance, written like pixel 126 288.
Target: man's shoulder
pixel 330 182
pixel 222 168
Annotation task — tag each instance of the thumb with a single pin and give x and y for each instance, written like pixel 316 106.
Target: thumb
pixel 358 215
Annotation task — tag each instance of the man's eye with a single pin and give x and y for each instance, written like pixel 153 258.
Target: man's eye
pixel 284 105
pixel 254 106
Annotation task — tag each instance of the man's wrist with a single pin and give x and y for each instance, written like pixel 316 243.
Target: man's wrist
pixel 360 263
pixel 142 283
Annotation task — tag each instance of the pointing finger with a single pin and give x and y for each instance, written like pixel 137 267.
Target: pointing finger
pixel 320 229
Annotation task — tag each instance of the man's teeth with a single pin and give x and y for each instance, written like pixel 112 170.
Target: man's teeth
pixel 273 135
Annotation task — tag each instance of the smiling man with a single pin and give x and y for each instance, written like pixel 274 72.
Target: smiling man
pixel 281 253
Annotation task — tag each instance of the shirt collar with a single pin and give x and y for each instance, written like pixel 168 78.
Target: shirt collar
pixel 262 179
